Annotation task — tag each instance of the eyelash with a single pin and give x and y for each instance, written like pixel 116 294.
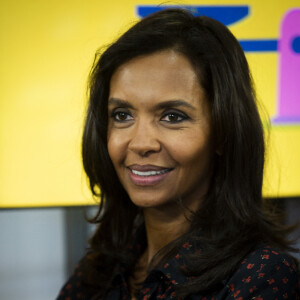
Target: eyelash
pixel 179 115
pixel 115 114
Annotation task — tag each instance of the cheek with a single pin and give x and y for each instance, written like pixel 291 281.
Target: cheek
pixel 191 151
pixel 197 163
pixel 115 148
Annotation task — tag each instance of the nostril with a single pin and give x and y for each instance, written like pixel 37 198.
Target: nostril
pixel 144 147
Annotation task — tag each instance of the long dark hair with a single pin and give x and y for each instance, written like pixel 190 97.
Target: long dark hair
pixel 231 219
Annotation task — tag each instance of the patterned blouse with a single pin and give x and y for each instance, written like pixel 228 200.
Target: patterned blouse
pixel 265 274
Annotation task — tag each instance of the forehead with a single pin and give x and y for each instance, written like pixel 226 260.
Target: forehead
pixel 166 61
pixel 165 74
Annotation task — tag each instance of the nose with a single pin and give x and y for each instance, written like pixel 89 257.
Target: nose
pixel 144 139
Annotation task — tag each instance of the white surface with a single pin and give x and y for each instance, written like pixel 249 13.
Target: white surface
pixel 32 254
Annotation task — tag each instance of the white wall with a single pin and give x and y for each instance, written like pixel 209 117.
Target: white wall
pixel 32 254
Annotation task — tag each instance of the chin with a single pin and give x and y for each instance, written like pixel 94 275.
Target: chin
pixel 147 203
pixel 143 201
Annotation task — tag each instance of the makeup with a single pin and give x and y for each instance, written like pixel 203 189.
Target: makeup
pixel 148 177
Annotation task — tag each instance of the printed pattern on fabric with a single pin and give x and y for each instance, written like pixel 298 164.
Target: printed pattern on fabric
pixel 265 274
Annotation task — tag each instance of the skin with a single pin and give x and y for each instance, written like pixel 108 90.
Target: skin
pixel 160 122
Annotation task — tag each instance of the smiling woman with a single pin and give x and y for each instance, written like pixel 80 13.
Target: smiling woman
pixel 174 141
pixel 159 139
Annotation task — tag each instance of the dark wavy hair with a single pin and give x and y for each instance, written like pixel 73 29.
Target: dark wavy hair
pixel 232 218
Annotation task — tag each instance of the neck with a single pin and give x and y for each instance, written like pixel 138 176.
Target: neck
pixel 163 228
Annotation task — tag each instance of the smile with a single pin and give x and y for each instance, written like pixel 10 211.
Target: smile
pixel 150 173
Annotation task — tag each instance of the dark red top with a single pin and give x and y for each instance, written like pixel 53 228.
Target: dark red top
pixel 265 274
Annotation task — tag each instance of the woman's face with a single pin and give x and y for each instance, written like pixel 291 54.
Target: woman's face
pixel 159 130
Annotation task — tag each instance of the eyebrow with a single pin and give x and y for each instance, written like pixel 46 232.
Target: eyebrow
pixel 175 103
pixel 119 102
pixel 162 105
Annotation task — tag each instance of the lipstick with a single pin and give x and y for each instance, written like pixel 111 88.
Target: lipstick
pixel 148 175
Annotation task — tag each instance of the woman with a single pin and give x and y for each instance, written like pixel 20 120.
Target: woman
pixel 174 141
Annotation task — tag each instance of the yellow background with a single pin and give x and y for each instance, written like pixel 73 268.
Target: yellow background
pixel 47 48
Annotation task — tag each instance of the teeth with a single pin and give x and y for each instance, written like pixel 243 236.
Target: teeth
pixel 149 173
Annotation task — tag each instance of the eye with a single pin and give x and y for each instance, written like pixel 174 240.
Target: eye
pixel 174 117
pixel 121 116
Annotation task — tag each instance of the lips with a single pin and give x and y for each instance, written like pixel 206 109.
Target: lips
pixel 148 175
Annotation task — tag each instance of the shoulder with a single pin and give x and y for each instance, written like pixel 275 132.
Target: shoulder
pixel 265 273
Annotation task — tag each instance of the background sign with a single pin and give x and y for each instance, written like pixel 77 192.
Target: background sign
pixel 47 49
